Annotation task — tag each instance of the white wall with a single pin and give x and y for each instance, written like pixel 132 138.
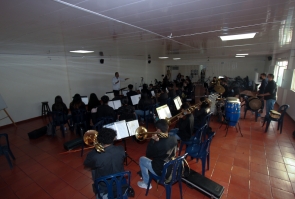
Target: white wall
pixel 26 81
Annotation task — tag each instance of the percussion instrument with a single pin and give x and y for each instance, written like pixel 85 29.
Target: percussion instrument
pixel 254 103
pixel 218 88
pixel 232 111
pixel 274 114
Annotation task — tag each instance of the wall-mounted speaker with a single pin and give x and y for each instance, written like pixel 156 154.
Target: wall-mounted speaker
pixel 101 53
pixel 149 61
pixel 101 61
pixel 269 58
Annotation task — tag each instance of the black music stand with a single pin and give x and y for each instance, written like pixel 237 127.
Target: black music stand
pixel 127 156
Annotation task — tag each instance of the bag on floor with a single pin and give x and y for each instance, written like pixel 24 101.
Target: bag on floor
pixel 37 133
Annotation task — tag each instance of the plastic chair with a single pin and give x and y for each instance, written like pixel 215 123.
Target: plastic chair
pixel 176 168
pixel 201 151
pixel 98 125
pixel 5 149
pixel 114 183
pixel 58 119
pixel 194 139
pixel 247 107
pixel 280 120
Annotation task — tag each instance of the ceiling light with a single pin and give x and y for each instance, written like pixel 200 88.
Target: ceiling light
pixel 163 57
pixel 176 58
pixel 81 51
pixel 239 56
pixel 237 37
pixel 243 54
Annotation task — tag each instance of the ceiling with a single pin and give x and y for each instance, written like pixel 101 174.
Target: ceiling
pixel 134 29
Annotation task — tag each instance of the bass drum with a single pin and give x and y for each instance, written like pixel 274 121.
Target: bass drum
pixel 254 103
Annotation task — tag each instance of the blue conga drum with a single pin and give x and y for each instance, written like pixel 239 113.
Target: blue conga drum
pixel 232 111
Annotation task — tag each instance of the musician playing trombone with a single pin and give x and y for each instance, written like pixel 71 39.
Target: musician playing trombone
pixel 158 152
pixel 185 125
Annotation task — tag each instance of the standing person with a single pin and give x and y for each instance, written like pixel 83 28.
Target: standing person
pixel 108 162
pixel 117 83
pixel 261 89
pixel 270 94
pixel 158 152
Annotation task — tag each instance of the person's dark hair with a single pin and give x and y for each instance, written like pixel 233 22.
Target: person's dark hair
pixel 184 106
pixel 151 85
pixel 130 86
pixel 263 74
pixel 77 101
pixel 116 73
pixel 58 103
pixel 162 125
pixel 214 77
pixel 106 136
pixel 105 99
pixel 271 75
pixel 144 86
pixel 93 101
pixel 124 100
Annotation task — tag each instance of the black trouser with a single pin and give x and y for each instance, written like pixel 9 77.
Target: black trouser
pixel 116 93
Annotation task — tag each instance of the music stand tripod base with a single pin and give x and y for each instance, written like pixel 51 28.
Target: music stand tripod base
pixel 127 156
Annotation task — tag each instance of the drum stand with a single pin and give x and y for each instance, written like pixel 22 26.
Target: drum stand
pixel 127 156
pixel 226 126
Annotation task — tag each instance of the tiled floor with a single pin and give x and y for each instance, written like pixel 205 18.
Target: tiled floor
pixel 258 165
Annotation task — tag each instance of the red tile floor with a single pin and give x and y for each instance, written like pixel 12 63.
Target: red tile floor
pixel 258 165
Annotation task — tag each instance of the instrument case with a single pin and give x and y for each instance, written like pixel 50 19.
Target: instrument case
pixel 73 144
pixel 38 133
pixel 200 182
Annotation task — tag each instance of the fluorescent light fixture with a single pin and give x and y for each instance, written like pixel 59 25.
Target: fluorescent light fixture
pixel 163 57
pixel 242 54
pixel 81 51
pixel 239 56
pixel 176 58
pixel 237 37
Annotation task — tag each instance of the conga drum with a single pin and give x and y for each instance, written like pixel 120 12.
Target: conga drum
pixel 232 111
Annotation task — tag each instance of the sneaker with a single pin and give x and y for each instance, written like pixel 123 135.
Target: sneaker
pixel 141 184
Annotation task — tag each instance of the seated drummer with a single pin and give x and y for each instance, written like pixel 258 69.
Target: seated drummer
pixel 185 125
pixel 202 112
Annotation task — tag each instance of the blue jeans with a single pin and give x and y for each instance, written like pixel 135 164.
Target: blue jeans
pixel 173 132
pixel 269 106
pixel 145 166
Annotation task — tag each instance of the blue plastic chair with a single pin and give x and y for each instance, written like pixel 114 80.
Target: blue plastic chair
pixel 201 151
pixel 194 139
pixel 5 150
pixel 280 120
pixel 175 176
pixel 114 183
pixel 58 119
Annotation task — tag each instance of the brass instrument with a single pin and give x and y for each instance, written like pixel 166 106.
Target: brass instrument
pixel 90 138
pixel 141 134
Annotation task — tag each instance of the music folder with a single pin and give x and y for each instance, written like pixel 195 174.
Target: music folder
pixel 164 112
pixel 110 95
pixel 135 99
pixel 115 104
pixel 177 102
pixel 124 129
pixel 84 99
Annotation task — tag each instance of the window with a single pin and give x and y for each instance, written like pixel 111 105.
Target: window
pixel 279 71
pixel 293 81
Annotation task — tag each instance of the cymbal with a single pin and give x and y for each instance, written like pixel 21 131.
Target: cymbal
pixel 219 89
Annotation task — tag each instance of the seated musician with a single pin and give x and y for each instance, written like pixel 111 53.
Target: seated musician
pixel 163 97
pixel 159 151
pixel 105 110
pixel 130 93
pixel 172 93
pixel 185 126
pixel 144 102
pixel 108 162
pixel 202 112
pixel 126 112
pixel 146 90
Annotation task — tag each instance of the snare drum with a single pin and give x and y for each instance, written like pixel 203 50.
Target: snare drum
pixel 232 112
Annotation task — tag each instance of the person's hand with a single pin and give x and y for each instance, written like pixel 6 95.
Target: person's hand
pixel 126 78
pixel 155 137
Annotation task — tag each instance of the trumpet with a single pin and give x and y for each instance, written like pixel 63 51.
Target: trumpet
pixel 141 134
pixel 90 138
pixel 173 119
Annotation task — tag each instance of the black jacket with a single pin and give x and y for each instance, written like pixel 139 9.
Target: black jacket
pixel 262 86
pixel 186 127
pixel 105 111
pixel 161 152
pixel 200 115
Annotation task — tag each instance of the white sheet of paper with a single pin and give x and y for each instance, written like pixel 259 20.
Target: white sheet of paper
pixel 84 99
pixel 125 92
pixel 117 104
pixel 176 103
pixel 179 101
pixel 111 104
pixel 110 126
pixel 135 99
pixel 167 90
pixel 132 126
pixel 153 93
pixel 163 112
pixel 110 95
pixel 122 131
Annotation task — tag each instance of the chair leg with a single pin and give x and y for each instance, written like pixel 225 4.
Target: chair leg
pixel 11 154
pixel 245 113
pixel 168 191
pixel 148 186
pixel 267 125
pixel 180 187
pixel 8 159
pixel 256 116
pixel 208 161
pixel 240 129
pixel 203 165
pixel 226 130
pixel 281 126
pixel 180 148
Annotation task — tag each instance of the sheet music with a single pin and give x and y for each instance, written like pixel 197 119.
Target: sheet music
pixel 167 111
pixel 84 99
pixel 179 101
pixel 110 126
pixel 176 103
pixel 167 90
pixel 110 95
pixel 125 92
pixel 117 104
pixel 135 99
pixel 132 126
pixel 164 112
pixel 153 93
pixel 122 131
pixel 111 104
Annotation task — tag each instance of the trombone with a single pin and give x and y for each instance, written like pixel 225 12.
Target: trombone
pixel 141 134
pixel 90 139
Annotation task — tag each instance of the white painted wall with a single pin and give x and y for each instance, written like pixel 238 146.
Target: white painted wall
pixel 26 81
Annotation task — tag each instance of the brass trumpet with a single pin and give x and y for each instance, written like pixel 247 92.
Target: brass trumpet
pixel 90 138
pixel 141 134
